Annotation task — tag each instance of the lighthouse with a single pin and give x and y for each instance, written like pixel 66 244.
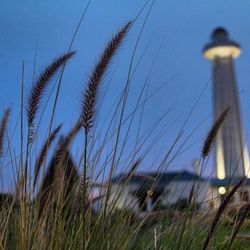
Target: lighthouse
pixel 231 153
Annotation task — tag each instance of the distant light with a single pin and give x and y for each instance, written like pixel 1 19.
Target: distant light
pixel 220 159
pixel 221 51
pixel 246 161
pixel 222 190
pixel 150 193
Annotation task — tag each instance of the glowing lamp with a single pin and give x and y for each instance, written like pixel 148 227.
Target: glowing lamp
pixel 221 51
pixel 150 193
pixel 221 46
pixel 222 190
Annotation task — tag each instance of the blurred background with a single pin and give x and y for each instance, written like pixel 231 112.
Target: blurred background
pixel 167 57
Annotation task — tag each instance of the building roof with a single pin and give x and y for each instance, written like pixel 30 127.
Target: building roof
pixel 227 182
pixel 157 177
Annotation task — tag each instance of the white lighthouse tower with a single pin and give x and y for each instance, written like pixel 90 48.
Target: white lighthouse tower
pixel 231 152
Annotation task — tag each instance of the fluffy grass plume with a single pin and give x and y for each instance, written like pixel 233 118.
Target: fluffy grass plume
pixel 66 141
pixel 90 95
pixel 213 132
pixel 40 86
pixel 43 152
pixel 3 126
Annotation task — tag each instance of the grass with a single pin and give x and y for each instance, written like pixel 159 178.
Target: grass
pixel 50 209
pixel 192 239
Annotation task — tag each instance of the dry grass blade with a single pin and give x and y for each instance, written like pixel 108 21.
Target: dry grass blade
pixel 3 126
pixel 44 151
pixel 220 211
pixel 212 133
pixel 191 194
pixel 135 166
pixel 90 95
pixel 41 84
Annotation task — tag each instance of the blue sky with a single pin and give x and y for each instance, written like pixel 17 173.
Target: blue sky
pixel 176 30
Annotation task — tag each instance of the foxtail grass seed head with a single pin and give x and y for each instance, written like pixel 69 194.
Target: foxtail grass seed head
pixel 212 133
pixel 66 141
pixel 3 126
pixel 89 97
pixel 40 86
pixel 43 153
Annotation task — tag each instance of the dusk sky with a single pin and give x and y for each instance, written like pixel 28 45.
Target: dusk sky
pixel 172 40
